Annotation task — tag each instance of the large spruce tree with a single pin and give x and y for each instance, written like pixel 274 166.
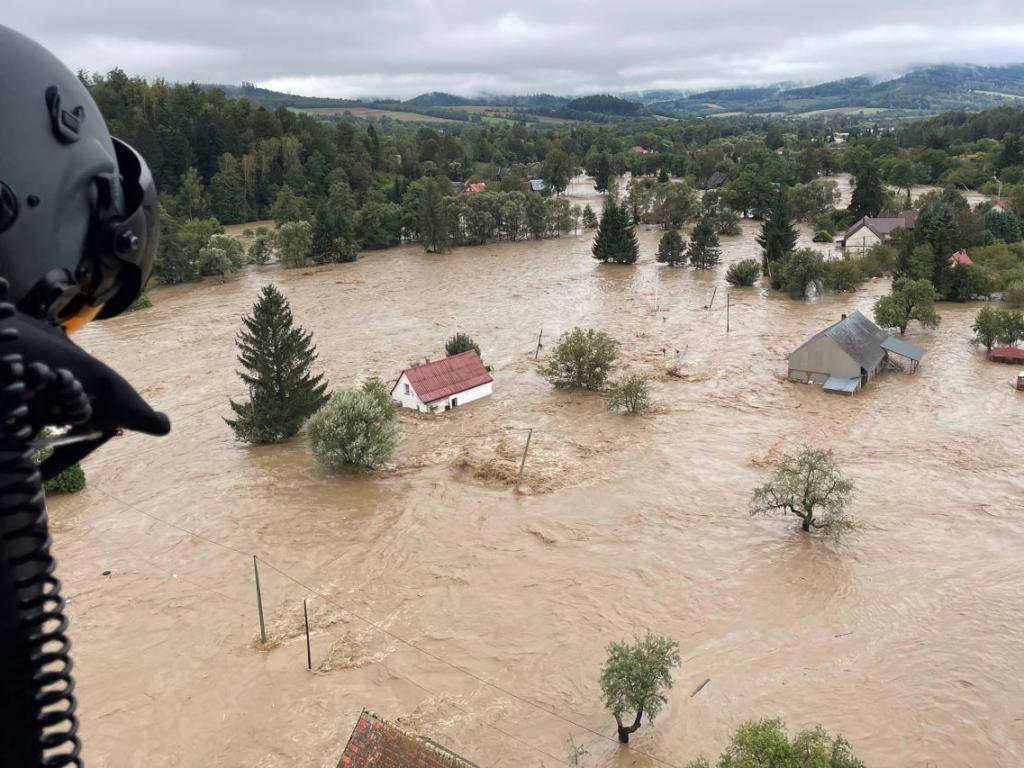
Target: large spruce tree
pixel 616 238
pixel 276 357
pixel 778 236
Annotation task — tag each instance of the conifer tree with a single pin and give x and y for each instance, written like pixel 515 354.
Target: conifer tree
pixel 333 237
pixel 704 252
pixel 778 237
pixel 276 357
pixel 868 194
pixel 671 249
pixel 616 239
pixel 603 175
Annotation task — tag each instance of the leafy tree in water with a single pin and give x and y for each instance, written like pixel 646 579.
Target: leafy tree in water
pixel 810 486
pixel 603 174
pixel 178 259
pixel 616 239
pixel 276 358
pixel 635 678
pixel 987 326
pixel 222 255
pixel 294 241
pixel 743 273
pixel 909 300
pixel 288 206
pixel 1013 293
pixel 631 394
pixel 799 270
pixel 1004 225
pixel 354 428
pixel 902 175
pixel 671 249
pixel 262 247
pixel 589 218
pixel 674 205
pixel 704 252
pixel 581 359
pixel 557 170
pixel 1011 328
pixel 868 193
pixel 459 343
pixel 333 237
pixel 378 225
pixel 778 237
pixel 765 744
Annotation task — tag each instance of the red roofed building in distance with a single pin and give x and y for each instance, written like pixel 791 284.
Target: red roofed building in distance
pixel 376 743
pixel 474 188
pixel 960 257
pixel 443 384
pixel 1003 205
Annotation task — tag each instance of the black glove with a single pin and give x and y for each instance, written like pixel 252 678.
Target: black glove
pixel 68 386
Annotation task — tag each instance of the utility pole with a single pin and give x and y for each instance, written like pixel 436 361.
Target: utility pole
pixel 259 601
pixel 309 650
pixel 522 463
pixel 536 352
pixel 728 302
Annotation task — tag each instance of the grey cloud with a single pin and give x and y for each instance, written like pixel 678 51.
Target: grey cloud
pixel 403 47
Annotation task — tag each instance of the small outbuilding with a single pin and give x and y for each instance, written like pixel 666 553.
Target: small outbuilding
pixel 846 356
pixel 538 185
pixel 443 384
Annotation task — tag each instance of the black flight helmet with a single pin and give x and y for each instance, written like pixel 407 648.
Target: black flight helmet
pixel 79 219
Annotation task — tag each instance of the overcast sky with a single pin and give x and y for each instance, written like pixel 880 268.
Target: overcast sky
pixel 404 47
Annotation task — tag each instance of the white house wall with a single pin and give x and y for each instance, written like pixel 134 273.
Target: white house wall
pixel 819 359
pixel 412 401
pixel 862 239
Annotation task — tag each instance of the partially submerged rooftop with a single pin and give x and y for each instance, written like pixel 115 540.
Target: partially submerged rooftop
pixel 376 743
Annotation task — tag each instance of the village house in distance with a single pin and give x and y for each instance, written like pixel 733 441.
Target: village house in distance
pixel 845 356
pixel 443 384
pixel 869 231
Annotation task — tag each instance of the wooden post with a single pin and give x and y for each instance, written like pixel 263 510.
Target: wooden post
pixel 259 601
pixel 522 463
pixel 309 651
pixel 540 336
pixel 728 301
pixel 713 293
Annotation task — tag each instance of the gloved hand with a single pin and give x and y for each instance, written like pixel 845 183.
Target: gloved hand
pixel 68 386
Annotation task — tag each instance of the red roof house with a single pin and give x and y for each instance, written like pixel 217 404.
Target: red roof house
pixel 443 384
pixel 1002 205
pixel 960 257
pixel 376 743
pixel 474 188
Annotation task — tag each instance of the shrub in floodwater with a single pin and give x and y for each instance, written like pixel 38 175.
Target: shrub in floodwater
pixel 581 359
pixel 459 343
pixel 822 236
pixel 142 301
pixel 1013 293
pixel 843 274
pixel 743 273
pixel 636 677
pixel 810 486
pixel 355 428
pixel 630 394
pixel 800 270
pixel 765 744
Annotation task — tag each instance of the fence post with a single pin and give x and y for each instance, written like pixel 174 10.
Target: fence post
pixel 522 463
pixel 259 601
pixel 536 352
pixel 309 651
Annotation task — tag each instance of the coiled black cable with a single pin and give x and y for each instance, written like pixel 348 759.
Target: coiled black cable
pixel 38 720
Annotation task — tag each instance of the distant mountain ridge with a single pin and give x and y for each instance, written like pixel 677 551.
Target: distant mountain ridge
pixel 921 90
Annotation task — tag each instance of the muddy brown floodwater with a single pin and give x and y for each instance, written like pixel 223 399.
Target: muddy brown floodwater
pixel 907 638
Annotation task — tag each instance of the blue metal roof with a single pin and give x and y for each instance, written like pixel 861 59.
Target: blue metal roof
pixel 839 384
pixel 900 347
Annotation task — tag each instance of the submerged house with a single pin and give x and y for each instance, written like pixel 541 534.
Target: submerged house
pixel 846 356
pixel 872 230
pixel 443 384
pixel 376 743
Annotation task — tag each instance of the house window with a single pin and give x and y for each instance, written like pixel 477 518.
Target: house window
pixel 406 388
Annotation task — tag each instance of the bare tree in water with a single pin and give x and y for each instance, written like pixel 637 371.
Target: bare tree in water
pixel 810 486
pixel 635 678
